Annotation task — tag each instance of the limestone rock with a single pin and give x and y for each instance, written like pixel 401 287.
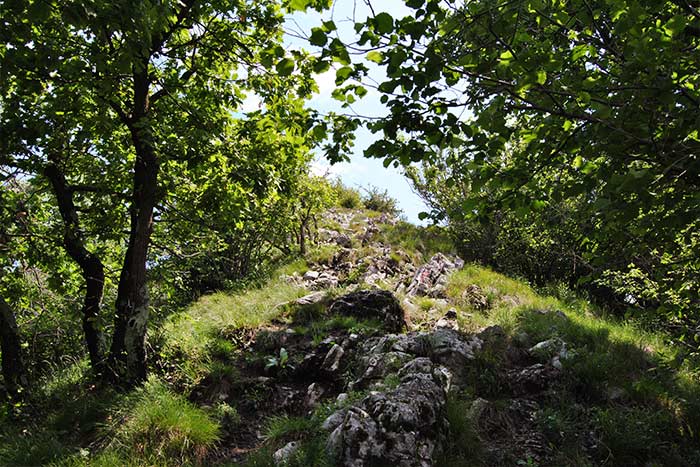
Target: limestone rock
pixel 372 304
pixel 311 299
pixel 313 395
pixel 331 363
pixel 311 275
pixel 343 240
pixel 283 455
pixel 475 297
pixel 532 379
pixel 449 321
pixel 431 278
pixel 403 427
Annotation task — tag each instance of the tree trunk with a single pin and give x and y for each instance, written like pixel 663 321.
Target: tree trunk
pixel 13 370
pixel 92 267
pixel 128 351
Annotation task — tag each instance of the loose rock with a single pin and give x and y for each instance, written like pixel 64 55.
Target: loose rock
pixel 283 455
pixel 431 278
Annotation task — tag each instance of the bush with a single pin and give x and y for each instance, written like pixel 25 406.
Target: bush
pixel 347 197
pixel 380 201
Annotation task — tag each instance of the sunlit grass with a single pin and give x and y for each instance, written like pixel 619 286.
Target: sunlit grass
pixel 156 422
pixel 420 242
pixel 607 352
pixel 192 331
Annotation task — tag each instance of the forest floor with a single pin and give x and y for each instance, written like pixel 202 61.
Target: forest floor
pixel 380 347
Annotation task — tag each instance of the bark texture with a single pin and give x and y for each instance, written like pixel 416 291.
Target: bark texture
pixel 13 370
pixel 128 351
pixel 90 264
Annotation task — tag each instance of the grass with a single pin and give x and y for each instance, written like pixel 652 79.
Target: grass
pixel 322 254
pixel 658 418
pixel 154 423
pixel 655 419
pixel 190 338
pixel 150 426
pixel 420 242
pixel 464 448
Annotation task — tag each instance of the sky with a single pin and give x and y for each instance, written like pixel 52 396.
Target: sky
pixel 359 171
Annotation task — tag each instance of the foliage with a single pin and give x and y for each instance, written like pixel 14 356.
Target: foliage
pixel 127 119
pixel 380 201
pixel 586 105
pixel 347 197
pixel 542 247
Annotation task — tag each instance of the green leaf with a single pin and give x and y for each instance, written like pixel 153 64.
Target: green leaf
pixel 318 37
pixel 415 4
pixel 321 66
pixel 298 5
pixel 375 56
pixel 285 67
pixel 541 77
pixel 676 25
pixel 342 75
pixel 507 55
pixel 384 23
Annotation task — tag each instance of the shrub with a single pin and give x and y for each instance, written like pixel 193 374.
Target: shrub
pixel 380 201
pixel 347 197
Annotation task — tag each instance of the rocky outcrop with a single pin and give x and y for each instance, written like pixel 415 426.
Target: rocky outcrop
pixel 431 278
pixel 475 297
pixel 372 304
pixel 405 425
pixel 402 427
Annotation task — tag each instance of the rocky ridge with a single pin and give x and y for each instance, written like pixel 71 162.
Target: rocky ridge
pixel 389 384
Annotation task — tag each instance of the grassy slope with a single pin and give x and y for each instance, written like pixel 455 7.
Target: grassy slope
pixel 656 419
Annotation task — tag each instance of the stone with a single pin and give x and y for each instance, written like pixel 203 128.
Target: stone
pixel 403 427
pixel 475 297
pixel 532 379
pixel 372 304
pixel 449 348
pixel 431 278
pixel 334 420
pixel 553 350
pixel 325 280
pixel 311 299
pixel 331 363
pixel 342 398
pixel 343 240
pixel 313 395
pixel 283 455
pixel 449 321
pixel 491 333
pixel 377 366
pixel 311 275
pixel 547 349
pixel 479 412
pixel 374 278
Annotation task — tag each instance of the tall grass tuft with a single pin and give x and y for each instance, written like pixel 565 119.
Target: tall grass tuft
pixel 156 423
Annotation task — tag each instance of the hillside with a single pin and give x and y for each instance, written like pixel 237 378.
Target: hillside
pixel 379 348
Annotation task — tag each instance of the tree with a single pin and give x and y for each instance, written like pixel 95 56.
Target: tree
pixel 147 86
pixel 597 99
pixel 13 371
